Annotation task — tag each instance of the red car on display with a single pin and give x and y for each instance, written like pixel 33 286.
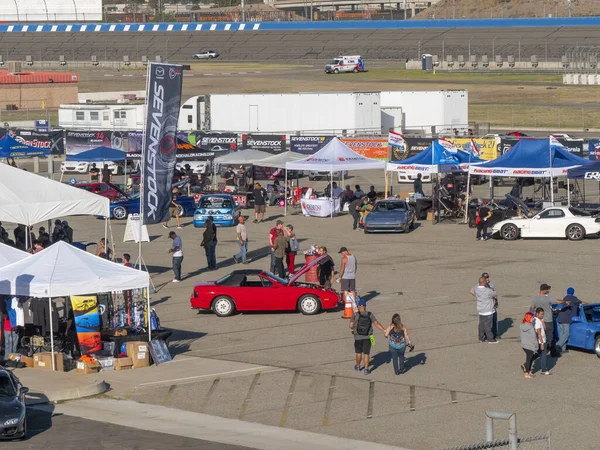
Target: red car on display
pixel 107 190
pixel 257 290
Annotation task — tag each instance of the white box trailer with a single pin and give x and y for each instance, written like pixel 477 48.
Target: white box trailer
pixel 341 113
pixel 425 112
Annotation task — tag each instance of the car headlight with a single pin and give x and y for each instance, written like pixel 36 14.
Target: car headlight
pixel 227 217
pixel 11 422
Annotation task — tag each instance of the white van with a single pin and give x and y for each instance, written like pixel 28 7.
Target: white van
pixel 345 64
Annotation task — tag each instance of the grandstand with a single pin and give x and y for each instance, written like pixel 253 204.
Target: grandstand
pixel 36 11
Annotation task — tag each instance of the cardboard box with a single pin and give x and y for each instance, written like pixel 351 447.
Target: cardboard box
pixel 139 353
pixel 85 367
pixel 27 360
pixel 429 216
pixel 106 362
pixel 123 363
pixel 44 361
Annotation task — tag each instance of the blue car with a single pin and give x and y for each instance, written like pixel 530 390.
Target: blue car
pixel 221 207
pixel 122 207
pixel 390 215
pixel 585 329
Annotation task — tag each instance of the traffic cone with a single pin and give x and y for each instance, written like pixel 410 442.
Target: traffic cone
pixel 348 311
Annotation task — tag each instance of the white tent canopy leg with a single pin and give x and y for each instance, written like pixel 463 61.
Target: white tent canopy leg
pixel 149 313
pixel 51 333
pixel 331 191
pixel 286 195
pixel 467 198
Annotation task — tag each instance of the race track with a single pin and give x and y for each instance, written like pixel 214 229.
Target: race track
pixel 548 43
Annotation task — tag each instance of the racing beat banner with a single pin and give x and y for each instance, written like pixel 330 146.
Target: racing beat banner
pixel 80 141
pixel 160 147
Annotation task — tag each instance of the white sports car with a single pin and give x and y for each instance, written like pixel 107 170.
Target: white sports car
pixel 552 222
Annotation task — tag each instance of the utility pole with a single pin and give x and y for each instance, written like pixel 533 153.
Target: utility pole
pixel 243 12
pixel 454 9
pixel 569 8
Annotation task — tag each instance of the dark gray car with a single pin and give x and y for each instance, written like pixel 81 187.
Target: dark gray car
pixel 13 423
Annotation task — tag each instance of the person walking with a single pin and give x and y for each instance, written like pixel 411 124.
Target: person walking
pixel 418 185
pixel 292 248
pixel 398 339
pixel 529 343
pixel 542 339
pixel 485 308
pixel 279 247
pixel 565 318
pixel 347 275
pixel 495 317
pixel 174 209
pixel 260 202
pixel 177 251
pixel 545 301
pixel 325 269
pixel 361 324
pixel 208 242
pixel 273 233
pixel 242 241
pixel 354 210
pixel 481 219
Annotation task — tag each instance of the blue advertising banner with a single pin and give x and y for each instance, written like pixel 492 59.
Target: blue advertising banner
pixel 308 145
pixel 594 148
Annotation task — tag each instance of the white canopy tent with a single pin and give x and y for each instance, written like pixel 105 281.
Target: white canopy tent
pixel 9 255
pixel 249 156
pixel 333 157
pixel 280 160
pixel 63 270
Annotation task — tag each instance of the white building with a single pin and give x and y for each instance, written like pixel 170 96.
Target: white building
pixel 117 117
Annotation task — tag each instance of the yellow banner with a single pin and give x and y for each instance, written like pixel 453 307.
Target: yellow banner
pixel 488 147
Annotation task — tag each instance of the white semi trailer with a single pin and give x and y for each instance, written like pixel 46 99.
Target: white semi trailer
pixel 341 113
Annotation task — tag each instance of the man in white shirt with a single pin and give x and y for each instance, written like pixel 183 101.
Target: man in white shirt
pixel 177 251
pixel 485 308
pixel 242 240
pixel 336 191
pixel 540 331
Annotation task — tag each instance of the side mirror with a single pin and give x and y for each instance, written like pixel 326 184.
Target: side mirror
pixel 537 217
pixel 576 319
pixel 24 390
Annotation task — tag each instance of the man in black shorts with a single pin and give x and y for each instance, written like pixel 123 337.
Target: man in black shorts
pixel 361 325
pixel 260 201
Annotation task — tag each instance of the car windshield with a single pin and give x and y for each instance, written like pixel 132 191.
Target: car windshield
pixel 592 313
pixel 336 61
pixel 276 278
pixel 579 212
pixel 389 206
pixel 215 202
pixel 222 280
pixel 7 388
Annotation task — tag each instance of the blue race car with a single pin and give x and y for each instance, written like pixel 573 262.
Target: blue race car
pixel 221 207
pixel 390 215
pixel 122 207
pixel 585 329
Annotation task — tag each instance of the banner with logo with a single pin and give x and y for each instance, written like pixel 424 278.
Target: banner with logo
pixel 160 147
pixel 87 322
pixel 135 140
pixel 574 146
pixel 369 148
pixel 51 140
pixel 213 145
pixel 506 144
pixel 594 149
pixel 307 145
pixel 411 148
pixel 488 148
pixel 270 143
pixel 80 141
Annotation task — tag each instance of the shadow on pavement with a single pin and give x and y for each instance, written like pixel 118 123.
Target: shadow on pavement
pixel 39 420
pixel 504 325
pixel 180 341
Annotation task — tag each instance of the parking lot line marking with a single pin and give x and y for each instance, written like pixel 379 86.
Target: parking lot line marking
pixel 453 396
pixel 168 395
pixel 412 398
pixel 288 399
pixel 249 396
pixel 212 389
pixel 198 377
pixel 329 400
pixel 371 399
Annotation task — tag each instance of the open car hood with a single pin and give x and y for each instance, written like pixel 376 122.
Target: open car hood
pixel 306 268
pixel 519 204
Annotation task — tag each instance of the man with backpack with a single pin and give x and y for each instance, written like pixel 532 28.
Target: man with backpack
pixel 361 325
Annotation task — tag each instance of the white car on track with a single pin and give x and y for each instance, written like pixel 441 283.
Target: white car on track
pixel 208 54
pixel 553 222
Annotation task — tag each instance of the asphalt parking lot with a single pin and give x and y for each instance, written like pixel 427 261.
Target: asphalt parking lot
pixel 425 276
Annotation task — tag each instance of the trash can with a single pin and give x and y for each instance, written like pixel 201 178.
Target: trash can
pixel 311 276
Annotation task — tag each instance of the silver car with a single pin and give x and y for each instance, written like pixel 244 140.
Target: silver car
pixel 208 54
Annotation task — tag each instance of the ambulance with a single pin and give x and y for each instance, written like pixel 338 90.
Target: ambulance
pixel 345 64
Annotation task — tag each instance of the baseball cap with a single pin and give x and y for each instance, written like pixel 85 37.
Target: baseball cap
pixel 570 291
pixel 545 287
pixel 343 249
pixel 485 275
pixel 279 222
pixel 362 303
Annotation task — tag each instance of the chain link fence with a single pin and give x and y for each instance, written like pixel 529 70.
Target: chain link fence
pixel 537 442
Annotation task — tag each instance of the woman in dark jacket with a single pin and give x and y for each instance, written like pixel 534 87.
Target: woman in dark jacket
pixel 209 244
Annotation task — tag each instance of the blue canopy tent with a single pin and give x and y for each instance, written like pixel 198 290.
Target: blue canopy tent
pixel 544 158
pixel 99 154
pixel 590 171
pixel 10 148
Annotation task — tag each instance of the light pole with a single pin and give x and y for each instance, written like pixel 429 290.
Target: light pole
pixel 494 48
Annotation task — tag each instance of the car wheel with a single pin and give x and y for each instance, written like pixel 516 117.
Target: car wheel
pixel 509 232
pixel 309 305
pixel 575 232
pixel 336 71
pixel 181 211
pixel 120 213
pixel 355 70
pixel 597 346
pixel 210 56
pixel 223 306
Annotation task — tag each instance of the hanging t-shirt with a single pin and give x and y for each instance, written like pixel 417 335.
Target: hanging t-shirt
pixel 18 307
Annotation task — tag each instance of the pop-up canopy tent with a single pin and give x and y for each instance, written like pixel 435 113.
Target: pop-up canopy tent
pixel 590 171
pixel 334 156
pixel 63 270
pixel 10 148
pixel 100 155
pixel 249 156
pixel 279 161
pixel 532 158
pixel 9 255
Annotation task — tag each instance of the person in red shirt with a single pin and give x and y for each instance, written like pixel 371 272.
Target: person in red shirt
pixel 275 231
pixel 126 260
pixel 11 338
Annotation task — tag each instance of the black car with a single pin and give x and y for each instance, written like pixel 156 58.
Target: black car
pixel 13 423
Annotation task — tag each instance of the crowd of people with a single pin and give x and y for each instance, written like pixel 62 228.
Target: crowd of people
pixel 61 231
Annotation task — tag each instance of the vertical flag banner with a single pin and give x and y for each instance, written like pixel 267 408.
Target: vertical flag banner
pixel 160 146
pixel 87 322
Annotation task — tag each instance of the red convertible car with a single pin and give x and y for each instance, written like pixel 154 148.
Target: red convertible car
pixel 257 290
